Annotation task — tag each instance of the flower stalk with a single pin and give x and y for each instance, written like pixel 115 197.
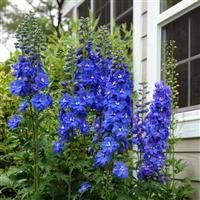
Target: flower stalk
pixel 35 143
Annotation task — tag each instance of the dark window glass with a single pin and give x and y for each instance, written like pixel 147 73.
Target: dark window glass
pixel 186 33
pixel 195 82
pixel 102 10
pixel 166 4
pixel 178 31
pixel 183 85
pixel 122 6
pixel 195 32
pixel 126 19
pixel 83 9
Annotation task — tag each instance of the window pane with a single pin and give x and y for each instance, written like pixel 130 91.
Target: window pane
pixel 183 85
pixel 126 19
pixel 165 4
pixel 195 32
pixel 83 9
pixel 178 31
pixel 195 82
pixel 122 6
pixel 102 10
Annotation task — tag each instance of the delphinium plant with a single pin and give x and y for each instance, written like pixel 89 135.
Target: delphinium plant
pixel 30 84
pixel 78 95
pixel 112 144
pixel 96 101
pixel 174 165
pixel 151 133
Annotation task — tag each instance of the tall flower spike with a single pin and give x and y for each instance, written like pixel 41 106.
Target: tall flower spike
pixel 140 113
pixel 31 78
pixel 81 72
pixel 155 140
pixel 30 83
pixel 30 38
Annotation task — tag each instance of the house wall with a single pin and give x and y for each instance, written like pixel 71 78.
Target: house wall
pixel 188 149
pixel 147 64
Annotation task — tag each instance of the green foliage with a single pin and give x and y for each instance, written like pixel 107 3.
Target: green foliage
pixel 174 166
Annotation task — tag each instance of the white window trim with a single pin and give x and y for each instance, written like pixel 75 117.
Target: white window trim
pixel 137 47
pixel 177 11
pixel 184 129
pixel 71 4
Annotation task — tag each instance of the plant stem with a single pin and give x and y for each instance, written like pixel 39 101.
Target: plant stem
pixel 35 143
pixel 70 172
pixel 173 155
pixel 69 185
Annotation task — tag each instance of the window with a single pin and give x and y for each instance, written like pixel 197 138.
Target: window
pixel 102 10
pixel 186 32
pixel 122 6
pixel 83 9
pixel 166 4
pixel 124 12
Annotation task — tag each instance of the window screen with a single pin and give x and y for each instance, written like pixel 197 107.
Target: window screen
pixel 186 33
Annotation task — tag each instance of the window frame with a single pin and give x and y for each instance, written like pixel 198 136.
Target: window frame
pixel 187 60
pixel 164 18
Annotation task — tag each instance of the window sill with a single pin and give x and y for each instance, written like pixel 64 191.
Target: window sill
pixel 188 125
pixel 188 109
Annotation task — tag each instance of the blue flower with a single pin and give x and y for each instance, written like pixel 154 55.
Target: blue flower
pixel 101 158
pixel 77 104
pixel 24 68
pixel 28 70
pixel 62 129
pixel 87 65
pixel 90 78
pixel 14 121
pixel 58 146
pixel 84 186
pixel 23 105
pixel 109 145
pixel 40 101
pixel 70 120
pixel 95 138
pixel 120 170
pixel 50 99
pixel 96 124
pixel 84 127
pixel 17 87
pixel 120 131
pixel 64 101
pixel 42 81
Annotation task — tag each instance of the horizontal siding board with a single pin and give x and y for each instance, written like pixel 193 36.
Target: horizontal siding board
pixel 189 128
pixel 188 145
pixel 196 193
pixel 192 162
